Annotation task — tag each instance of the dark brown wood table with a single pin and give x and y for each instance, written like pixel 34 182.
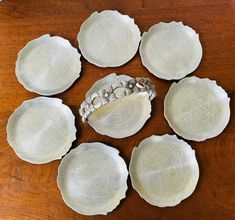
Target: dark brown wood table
pixel 29 191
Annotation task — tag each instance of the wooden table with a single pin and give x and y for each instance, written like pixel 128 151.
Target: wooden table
pixel 29 191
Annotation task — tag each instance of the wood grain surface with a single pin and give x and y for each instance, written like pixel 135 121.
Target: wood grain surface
pixel 29 191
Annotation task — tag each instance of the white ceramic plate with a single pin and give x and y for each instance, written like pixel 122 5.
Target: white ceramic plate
pixel 92 179
pixel 164 170
pixel 170 50
pixel 197 109
pixel 41 130
pixel 48 65
pixel 108 38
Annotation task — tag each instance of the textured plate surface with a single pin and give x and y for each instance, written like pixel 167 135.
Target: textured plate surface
pixel 170 50
pixel 164 170
pixel 108 38
pixel 197 109
pixel 48 65
pixel 41 130
pixel 92 178
pixel 123 117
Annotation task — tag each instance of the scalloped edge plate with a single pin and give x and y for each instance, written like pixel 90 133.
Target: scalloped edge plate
pixel 163 57
pixel 16 134
pixel 39 66
pixel 76 164
pixel 108 38
pixel 154 175
pixel 211 91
